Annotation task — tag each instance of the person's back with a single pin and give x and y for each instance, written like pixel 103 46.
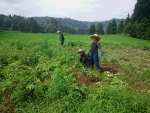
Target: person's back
pixel 84 59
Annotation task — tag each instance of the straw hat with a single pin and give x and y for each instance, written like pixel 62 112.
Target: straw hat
pixel 95 36
pixel 80 50
pixel 58 32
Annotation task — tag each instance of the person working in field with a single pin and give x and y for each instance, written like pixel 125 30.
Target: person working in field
pixel 84 59
pixel 61 37
pixel 94 51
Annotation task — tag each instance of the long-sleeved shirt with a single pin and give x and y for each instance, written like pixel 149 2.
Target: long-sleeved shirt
pixel 61 37
pixel 83 58
pixel 95 46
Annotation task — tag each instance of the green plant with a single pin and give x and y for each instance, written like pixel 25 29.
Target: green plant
pixel 39 75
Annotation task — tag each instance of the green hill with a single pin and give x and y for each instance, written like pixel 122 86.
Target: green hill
pixel 74 23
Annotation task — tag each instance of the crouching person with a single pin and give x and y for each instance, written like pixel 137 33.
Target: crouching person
pixel 84 59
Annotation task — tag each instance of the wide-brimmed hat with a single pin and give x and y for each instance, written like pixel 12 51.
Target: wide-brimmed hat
pixel 80 50
pixel 95 36
pixel 58 32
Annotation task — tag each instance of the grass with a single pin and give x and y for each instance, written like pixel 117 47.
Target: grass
pixel 39 75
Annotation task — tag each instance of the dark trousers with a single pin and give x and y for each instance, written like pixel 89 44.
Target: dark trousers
pixel 95 60
pixel 61 42
pixel 87 62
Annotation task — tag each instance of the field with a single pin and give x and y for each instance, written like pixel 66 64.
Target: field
pixel 37 75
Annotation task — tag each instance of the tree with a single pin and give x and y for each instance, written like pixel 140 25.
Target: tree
pixel 15 21
pixel 143 28
pixel 23 26
pixel 81 30
pixel 34 27
pixel 108 29
pixel 146 35
pixel 142 9
pixel 138 25
pixel 130 29
pixel 54 22
pixel 92 29
pixel 100 29
pixel 113 29
pixel 1 21
pixel 120 27
pixel 7 22
pixel 66 29
pixel 47 22
pixel 14 24
pixel 60 26
pixel 128 19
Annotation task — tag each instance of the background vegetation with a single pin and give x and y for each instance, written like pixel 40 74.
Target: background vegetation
pixel 137 25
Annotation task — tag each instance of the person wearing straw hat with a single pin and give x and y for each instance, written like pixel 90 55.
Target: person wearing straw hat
pixel 61 37
pixel 84 59
pixel 94 51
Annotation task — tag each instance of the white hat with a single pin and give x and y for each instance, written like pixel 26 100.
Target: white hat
pixel 80 50
pixel 95 36
pixel 58 32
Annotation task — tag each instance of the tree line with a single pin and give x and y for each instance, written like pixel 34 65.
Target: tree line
pixel 35 25
pixel 18 23
pixel 23 24
pixel 112 28
pixel 137 25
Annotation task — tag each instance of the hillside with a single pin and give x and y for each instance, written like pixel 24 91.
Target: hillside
pixel 73 23
pixel 48 24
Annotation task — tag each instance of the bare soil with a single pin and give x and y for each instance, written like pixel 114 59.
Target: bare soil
pixel 88 81
pixel 138 57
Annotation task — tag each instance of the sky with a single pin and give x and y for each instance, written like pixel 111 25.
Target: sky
pixel 83 10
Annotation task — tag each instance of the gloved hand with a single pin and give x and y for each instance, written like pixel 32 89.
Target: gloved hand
pixel 102 55
pixel 89 53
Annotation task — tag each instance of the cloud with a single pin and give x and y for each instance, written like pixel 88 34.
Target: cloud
pixel 13 1
pixel 65 4
pixel 13 9
pixel 88 10
pixel 65 7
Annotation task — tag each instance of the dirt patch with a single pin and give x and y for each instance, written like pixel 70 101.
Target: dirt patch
pixel 129 78
pixel 135 82
pixel 91 80
pixel 8 106
pixel 109 67
pixel 126 58
pixel 83 79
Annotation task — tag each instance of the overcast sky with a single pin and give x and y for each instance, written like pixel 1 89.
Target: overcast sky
pixel 84 10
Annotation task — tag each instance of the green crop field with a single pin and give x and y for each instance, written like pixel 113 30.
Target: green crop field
pixel 37 75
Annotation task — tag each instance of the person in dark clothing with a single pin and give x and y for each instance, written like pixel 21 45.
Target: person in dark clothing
pixel 61 37
pixel 94 51
pixel 84 59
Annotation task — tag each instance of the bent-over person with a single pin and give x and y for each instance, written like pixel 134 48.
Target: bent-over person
pixel 84 59
pixel 61 37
